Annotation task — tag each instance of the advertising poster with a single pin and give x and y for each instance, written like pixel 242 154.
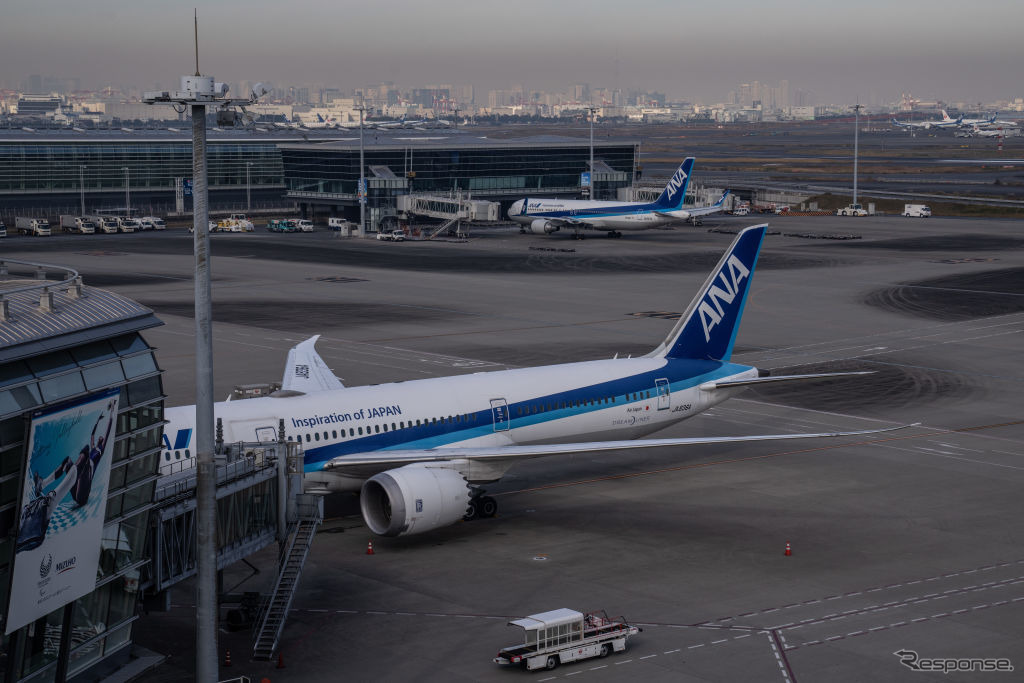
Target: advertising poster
pixel 60 525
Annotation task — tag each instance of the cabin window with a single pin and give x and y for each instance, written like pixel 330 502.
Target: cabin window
pixel 187 453
pixel 316 436
pixel 385 426
pixel 360 431
pixel 376 429
pixel 648 394
pixel 167 456
pixel 177 455
pixel 351 431
pixel 613 399
pixel 450 419
pixel 434 420
pixel 334 434
pixel 393 428
pixel 401 425
pixel 307 438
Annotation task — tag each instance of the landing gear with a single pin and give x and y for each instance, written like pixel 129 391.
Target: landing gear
pixel 578 235
pixel 480 506
pixel 614 234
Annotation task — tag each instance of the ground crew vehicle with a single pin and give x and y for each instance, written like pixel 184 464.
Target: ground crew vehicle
pixel 152 223
pixel 104 224
pixel 3 229
pixel 304 225
pixel 125 224
pixel 77 224
pixel 852 210
pixel 392 235
pixel 918 210
pixel 38 227
pixel 565 635
pixel 282 225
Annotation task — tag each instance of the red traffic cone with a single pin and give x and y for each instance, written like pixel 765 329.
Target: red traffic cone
pixel 280 660
pixel 789 551
pixel 227 658
pixel 369 547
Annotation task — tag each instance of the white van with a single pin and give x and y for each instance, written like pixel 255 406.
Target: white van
pixel 917 210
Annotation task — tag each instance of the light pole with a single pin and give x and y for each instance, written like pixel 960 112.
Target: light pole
pixel 590 190
pixel 248 197
pixel 127 192
pixel 81 186
pixel 856 134
pixel 196 92
pixel 361 189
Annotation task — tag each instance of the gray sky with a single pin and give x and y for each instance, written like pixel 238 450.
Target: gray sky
pixel 873 49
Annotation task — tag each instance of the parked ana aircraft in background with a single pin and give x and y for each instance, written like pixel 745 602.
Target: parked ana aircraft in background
pixel 944 122
pixel 545 216
pixel 974 123
pixel 418 451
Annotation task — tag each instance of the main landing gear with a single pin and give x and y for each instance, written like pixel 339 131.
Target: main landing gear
pixel 614 234
pixel 480 506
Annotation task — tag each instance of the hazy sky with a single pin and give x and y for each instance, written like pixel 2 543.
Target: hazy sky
pixel 873 49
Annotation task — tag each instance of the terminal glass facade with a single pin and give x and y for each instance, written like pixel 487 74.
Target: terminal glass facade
pixel 96 165
pixel 99 624
pixel 493 171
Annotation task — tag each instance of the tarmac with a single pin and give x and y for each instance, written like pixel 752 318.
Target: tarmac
pixel 905 541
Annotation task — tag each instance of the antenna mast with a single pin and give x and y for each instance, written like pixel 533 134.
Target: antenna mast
pixel 197 39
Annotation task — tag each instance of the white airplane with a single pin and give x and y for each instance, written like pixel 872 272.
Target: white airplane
pixel 419 451
pixel 974 123
pixel 545 216
pixel 944 122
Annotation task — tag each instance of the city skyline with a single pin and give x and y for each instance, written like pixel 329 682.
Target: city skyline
pixel 866 52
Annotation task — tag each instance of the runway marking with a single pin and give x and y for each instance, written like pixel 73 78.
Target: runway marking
pixel 777 650
pixel 648 656
pixel 668 652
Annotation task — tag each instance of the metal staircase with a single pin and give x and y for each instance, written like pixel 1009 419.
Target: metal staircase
pixel 445 226
pixel 275 608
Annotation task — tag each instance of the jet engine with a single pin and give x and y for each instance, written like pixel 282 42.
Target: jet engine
pixel 542 227
pixel 413 499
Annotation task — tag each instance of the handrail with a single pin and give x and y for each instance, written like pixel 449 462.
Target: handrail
pixel 72 276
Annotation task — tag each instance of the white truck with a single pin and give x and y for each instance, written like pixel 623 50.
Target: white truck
pixel 397 235
pixel 852 210
pixel 77 224
pixel 37 227
pixel 127 224
pixel 564 635
pixel 305 225
pixel 918 210
pixel 152 223
pixel 106 224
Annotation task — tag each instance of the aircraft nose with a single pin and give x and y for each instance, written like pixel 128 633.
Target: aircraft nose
pixel 516 208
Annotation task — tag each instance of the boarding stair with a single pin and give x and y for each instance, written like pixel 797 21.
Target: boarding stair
pixel 444 226
pixel 274 611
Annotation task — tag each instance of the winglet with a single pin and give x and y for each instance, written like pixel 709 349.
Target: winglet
pixel 306 371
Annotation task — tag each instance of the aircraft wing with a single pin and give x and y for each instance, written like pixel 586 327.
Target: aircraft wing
pixel 378 460
pixel 306 371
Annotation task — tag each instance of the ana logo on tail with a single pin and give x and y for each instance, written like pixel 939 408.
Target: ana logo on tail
pixel 710 309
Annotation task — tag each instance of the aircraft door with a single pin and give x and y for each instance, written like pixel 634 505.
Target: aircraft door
pixel 264 434
pixel 499 412
pixel 664 395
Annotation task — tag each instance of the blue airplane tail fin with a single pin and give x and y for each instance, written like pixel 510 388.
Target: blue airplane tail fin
pixel 672 198
pixel 708 328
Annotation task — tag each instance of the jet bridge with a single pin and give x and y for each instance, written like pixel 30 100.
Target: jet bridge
pixel 452 209
pixel 259 502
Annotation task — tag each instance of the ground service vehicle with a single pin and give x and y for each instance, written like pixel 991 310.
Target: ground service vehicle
pixel 152 223
pixel 852 210
pixel 77 224
pixel 105 224
pixel 565 635
pixel 282 225
pixel 741 210
pixel 304 225
pixel 340 224
pixel 392 235
pixel 919 210
pixel 127 224
pixel 37 227
pixel 3 229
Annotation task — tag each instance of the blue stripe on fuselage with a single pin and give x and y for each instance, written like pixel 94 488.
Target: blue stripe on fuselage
pixel 682 374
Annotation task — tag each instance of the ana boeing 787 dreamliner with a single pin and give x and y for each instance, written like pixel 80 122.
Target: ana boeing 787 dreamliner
pixel 419 451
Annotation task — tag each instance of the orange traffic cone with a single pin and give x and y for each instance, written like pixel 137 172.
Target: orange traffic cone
pixel 789 551
pixel 369 547
pixel 227 658
pixel 280 660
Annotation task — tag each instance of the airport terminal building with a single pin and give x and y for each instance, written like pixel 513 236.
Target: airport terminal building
pixel 81 418
pixel 324 176
pixel 53 172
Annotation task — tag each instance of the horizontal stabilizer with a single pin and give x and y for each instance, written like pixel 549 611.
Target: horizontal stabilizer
pixel 305 370
pixel 708 386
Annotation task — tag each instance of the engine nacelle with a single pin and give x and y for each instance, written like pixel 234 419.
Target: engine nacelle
pixel 542 227
pixel 413 499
